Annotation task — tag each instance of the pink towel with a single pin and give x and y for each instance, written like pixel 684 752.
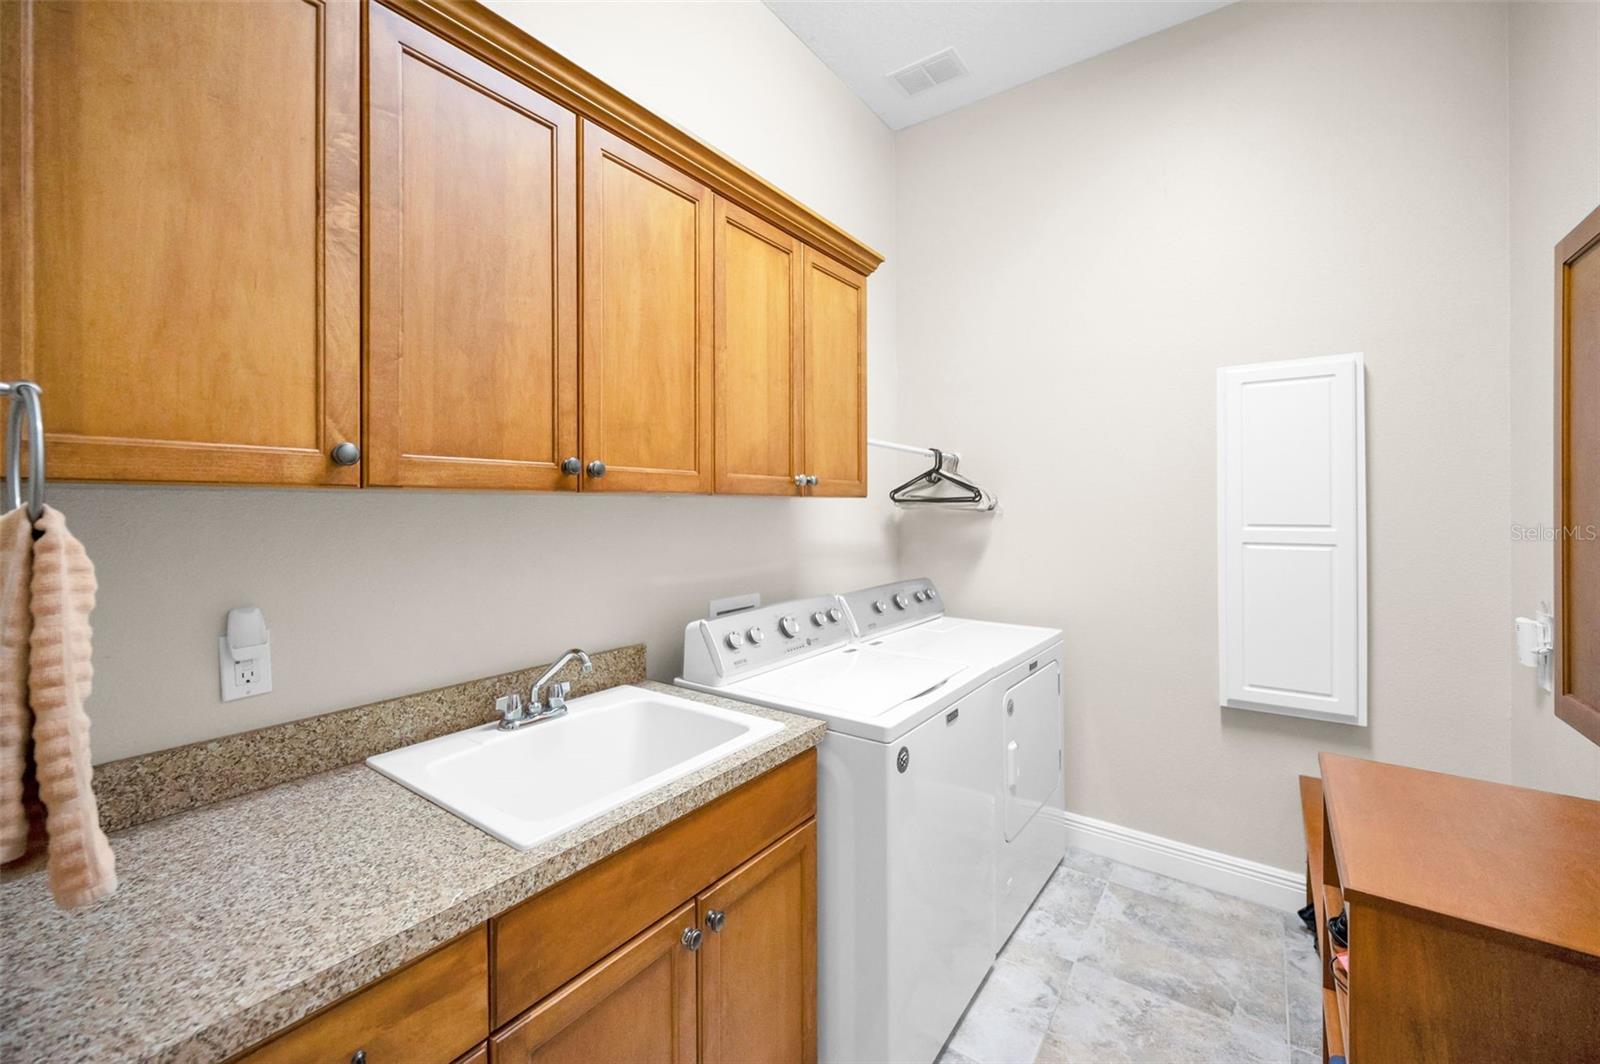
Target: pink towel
pixel 16 721
pixel 81 867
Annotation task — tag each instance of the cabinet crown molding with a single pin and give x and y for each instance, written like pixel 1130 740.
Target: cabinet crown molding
pixel 471 25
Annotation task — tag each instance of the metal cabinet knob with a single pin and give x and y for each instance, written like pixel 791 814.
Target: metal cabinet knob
pixel 692 937
pixel 800 480
pixel 345 454
pixel 811 481
pixel 597 468
pixel 715 918
pixel 571 466
pixel 359 1057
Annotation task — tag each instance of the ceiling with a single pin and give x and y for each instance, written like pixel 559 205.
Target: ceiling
pixel 1003 43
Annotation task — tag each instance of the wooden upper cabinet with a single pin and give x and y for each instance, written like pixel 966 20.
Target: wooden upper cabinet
pixel 758 311
pixel 758 959
pixel 638 1004
pixel 835 393
pixel 179 230
pixel 472 270
pixel 647 351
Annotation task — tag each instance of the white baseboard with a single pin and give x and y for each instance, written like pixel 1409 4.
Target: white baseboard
pixel 1221 872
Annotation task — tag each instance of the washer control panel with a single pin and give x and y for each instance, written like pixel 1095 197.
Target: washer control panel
pixel 741 644
pixel 876 610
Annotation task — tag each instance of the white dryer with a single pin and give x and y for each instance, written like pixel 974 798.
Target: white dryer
pixel 1020 670
pixel 905 819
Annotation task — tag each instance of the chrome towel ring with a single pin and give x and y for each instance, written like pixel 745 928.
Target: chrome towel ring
pixel 24 396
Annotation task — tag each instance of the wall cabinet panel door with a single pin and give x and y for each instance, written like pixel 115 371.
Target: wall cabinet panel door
pixel 758 962
pixel 647 352
pixel 636 1005
pixel 758 313
pixel 472 279
pixel 835 392
pixel 179 229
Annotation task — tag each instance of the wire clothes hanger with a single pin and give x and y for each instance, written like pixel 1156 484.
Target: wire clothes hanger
pixel 925 489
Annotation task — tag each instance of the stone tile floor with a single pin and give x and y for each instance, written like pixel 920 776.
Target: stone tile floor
pixel 1114 963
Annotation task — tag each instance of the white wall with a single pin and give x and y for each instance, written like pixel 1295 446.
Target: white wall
pixel 1077 256
pixel 371 594
pixel 1555 183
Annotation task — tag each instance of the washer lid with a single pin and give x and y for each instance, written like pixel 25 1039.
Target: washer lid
pixel 986 645
pixel 856 682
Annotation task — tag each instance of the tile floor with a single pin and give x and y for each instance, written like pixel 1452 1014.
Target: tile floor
pixel 1114 963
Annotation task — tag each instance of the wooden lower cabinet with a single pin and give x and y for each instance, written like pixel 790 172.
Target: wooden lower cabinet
pixel 696 943
pixel 758 961
pixel 639 1004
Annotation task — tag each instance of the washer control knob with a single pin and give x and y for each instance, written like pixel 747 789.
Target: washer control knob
pixel 735 640
pixel 920 596
pixel 900 600
pixel 819 618
pixel 930 594
pixel 789 627
pixel 756 635
pixel 836 615
pixel 881 606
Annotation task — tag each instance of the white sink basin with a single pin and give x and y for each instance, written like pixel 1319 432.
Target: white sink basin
pixel 528 785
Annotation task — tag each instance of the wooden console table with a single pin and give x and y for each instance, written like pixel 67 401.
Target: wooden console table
pixel 1474 915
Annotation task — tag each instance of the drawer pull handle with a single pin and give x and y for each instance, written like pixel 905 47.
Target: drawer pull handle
pixel 715 918
pixel 692 937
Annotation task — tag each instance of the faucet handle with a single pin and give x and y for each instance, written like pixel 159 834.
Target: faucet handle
pixel 558 693
pixel 509 706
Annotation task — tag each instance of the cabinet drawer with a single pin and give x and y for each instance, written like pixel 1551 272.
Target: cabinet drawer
pixel 434 1009
pixel 548 939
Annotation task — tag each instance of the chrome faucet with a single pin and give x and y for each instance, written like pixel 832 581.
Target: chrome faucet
pixel 512 713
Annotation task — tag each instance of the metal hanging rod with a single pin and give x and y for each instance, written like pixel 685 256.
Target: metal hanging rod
pixel 952 458
pixel 24 396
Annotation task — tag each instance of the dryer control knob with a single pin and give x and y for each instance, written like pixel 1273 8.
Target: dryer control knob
pixel 880 606
pixel 756 636
pixel 921 596
pixel 735 640
pixel 930 594
pixel 788 626
pixel 819 618
pixel 836 615
pixel 900 600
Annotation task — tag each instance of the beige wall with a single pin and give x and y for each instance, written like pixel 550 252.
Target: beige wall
pixel 1078 256
pixel 371 594
pixel 1555 182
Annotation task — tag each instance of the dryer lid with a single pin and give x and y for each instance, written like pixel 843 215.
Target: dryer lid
pixel 855 682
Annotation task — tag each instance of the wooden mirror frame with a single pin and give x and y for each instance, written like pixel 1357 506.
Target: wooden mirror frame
pixel 1572 466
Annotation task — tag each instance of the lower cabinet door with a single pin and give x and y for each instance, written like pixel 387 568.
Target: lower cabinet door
pixel 758 963
pixel 637 1005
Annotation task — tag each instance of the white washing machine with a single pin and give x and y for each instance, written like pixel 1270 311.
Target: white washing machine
pixel 905 819
pixel 1020 669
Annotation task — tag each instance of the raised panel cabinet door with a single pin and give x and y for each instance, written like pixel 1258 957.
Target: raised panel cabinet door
pixel 758 270
pixel 180 236
pixel 638 1004
pixel 472 271
pixel 758 961
pixel 647 352
pixel 835 392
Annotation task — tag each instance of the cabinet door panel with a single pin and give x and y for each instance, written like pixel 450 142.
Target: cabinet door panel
pixel 758 309
pixel 758 963
pixel 472 273
pixel 647 354
pixel 638 1004
pixel 835 394
pixel 180 236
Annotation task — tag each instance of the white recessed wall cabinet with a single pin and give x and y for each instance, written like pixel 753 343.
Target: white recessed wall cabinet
pixel 1291 503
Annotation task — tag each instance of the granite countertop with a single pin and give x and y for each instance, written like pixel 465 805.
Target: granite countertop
pixel 234 920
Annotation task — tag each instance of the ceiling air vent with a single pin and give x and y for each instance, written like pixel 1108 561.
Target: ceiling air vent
pixel 924 74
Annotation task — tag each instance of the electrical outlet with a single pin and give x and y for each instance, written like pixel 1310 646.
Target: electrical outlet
pixel 244 679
